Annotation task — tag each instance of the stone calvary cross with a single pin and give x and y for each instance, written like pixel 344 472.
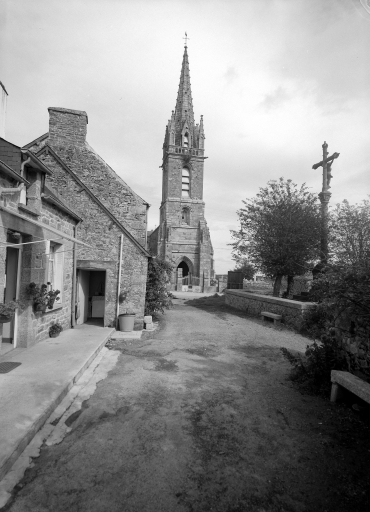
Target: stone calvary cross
pixel 324 196
pixel 326 163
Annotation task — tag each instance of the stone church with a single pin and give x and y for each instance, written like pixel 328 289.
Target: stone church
pixel 182 235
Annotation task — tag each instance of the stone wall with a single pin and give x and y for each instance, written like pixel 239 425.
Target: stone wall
pixel 32 327
pixel 183 240
pixel 153 241
pixel 102 234
pixel 67 136
pixel 292 311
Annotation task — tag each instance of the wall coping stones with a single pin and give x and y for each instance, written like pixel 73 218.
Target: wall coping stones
pixel 291 311
pixel 69 111
pixel 287 303
pixel 354 384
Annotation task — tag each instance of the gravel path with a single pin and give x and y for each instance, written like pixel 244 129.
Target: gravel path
pixel 201 416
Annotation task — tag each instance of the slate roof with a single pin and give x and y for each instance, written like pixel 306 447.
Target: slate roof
pixel 10 154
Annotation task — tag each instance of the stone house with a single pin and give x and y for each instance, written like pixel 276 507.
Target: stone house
pixel 114 220
pixel 183 236
pixel 37 240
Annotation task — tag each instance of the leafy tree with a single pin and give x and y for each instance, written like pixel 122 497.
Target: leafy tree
pixel 157 297
pixel 350 232
pixel 279 230
pixel 344 291
pixel 244 266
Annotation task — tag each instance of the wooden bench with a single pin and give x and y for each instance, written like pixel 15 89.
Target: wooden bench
pixel 276 318
pixel 348 381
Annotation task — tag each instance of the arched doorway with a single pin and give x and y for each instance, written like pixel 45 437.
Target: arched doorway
pixel 185 269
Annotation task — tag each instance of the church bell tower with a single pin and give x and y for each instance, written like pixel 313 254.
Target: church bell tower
pixel 182 235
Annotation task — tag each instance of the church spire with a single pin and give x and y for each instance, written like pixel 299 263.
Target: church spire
pixel 184 104
pixel 181 129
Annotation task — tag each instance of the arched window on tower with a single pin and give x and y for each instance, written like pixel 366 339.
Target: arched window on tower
pixel 185 183
pixel 185 140
pixel 185 216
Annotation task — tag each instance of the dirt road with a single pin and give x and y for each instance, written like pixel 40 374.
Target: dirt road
pixel 201 416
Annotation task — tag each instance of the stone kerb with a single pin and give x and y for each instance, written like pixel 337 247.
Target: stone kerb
pixel 252 303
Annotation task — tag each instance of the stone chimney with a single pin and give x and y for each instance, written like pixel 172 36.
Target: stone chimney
pixel 4 100
pixel 67 127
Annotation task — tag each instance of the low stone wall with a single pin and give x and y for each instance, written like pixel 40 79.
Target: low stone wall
pixel 252 303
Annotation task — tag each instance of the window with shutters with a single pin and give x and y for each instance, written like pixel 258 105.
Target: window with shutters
pixel 55 269
pixel 185 188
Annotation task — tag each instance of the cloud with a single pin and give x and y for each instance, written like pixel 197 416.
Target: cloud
pixel 326 55
pixel 275 99
pixel 230 75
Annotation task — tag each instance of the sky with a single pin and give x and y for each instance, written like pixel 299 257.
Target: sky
pixel 273 79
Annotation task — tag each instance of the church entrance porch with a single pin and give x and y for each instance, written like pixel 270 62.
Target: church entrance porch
pixel 185 280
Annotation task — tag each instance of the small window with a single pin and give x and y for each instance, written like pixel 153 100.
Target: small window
pixel 185 141
pixel 23 194
pixel 185 216
pixel 55 269
pixel 185 186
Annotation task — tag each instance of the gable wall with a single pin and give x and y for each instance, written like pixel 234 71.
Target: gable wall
pixel 67 136
pixel 103 235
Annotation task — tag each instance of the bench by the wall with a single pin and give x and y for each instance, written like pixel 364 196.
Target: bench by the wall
pixel 253 304
pixel 276 318
pixel 348 381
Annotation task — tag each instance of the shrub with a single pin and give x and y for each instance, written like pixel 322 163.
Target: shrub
pixel 8 308
pixel 157 297
pixel 315 366
pixel 342 294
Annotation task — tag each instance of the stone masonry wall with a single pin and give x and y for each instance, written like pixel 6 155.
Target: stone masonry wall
pixel 178 240
pixel 103 235
pixel 67 136
pixel 34 327
pixel 173 171
pixel 291 311
pixel 153 242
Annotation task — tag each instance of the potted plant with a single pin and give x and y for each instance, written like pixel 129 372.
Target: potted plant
pixel 42 298
pixel 127 318
pixel 7 311
pixel 55 330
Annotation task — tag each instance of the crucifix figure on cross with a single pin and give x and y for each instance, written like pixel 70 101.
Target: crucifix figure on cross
pixel 326 164
pixel 324 196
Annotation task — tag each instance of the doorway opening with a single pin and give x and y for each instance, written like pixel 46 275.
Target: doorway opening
pixel 90 296
pixel 186 275
pixel 12 263
pixel 185 269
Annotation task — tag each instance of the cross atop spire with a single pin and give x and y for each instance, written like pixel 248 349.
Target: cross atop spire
pixel 186 40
